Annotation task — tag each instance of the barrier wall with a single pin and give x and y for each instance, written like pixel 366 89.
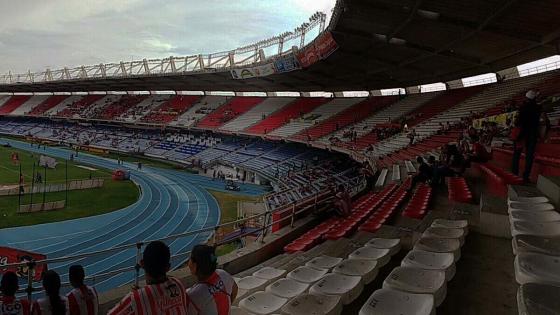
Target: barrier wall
pixel 37 207
pixel 40 188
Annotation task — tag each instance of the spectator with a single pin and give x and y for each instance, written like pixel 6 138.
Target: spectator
pixel 479 153
pixel 215 289
pixel 9 304
pixel 529 116
pixel 424 173
pixel 167 293
pixel 411 136
pixel 82 300
pixel 342 202
pixel 53 303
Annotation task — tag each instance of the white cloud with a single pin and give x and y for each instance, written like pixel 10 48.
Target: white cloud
pixel 56 33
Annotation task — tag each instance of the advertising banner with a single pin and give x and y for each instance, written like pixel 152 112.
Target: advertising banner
pixel 13 256
pixel 286 63
pixel 321 48
pixel 325 45
pixel 253 72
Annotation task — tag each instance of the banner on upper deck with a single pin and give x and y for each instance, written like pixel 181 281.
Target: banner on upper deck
pixel 253 72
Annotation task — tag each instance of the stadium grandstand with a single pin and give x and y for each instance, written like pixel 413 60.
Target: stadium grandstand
pixel 385 157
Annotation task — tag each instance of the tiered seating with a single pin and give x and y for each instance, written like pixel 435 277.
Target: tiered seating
pixel 351 115
pixel 319 114
pixel 458 190
pixel 257 113
pixel 120 106
pixel 47 104
pixel 77 107
pixel 389 114
pixel 546 161
pixel 235 107
pixel 320 281
pixel 13 103
pixel 26 107
pixel 388 207
pixel 418 204
pixel 498 178
pixel 419 285
pixel 171 109
pixel 535 226
pixel 297 108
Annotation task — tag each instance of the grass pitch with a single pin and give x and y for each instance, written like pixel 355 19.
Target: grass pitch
pixel 81 203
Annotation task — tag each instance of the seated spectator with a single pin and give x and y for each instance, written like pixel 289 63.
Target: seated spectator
pixel 167 293
pixel 9 304
pixel 53 303
pixel 82 300
pixel 343 202
pixel 215 289
pixel 479 153
pixel 424 173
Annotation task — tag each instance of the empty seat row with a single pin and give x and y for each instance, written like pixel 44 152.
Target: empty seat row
pixel 458 190
pixel 322 286
pixel 419 285
pixel 418 205
pixel 535 227
pixel 379 217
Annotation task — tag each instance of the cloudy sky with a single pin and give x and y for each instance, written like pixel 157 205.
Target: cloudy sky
pixel 56 33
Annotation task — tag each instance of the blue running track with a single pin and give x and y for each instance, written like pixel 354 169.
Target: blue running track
pixel 170 202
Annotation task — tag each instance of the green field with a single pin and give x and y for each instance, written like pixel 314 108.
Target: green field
pixel 228 205
pixel 81 203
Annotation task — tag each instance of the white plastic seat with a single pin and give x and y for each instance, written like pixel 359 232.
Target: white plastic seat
pixel 234 310
pixel 416 280
pixel 347 287
pixel 393 302
pixel 536 244
pixel 269 273
pixel 534 216
pixel 453 224
pixel 324 262
pixel 307 274
pixel 539 199
pixel 440 245
pixel 537 268
pixel 392 244
pixel 363 268
pixel 439 232
pixel 538 299
pixel 381 255
pixel 309 304
pixel 287 288
pixel 535 228
pixel 251 284
pixel 431 261
pixel 262 303
pixel 530 207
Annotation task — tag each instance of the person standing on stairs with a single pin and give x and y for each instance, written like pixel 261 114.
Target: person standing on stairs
pixel 528 123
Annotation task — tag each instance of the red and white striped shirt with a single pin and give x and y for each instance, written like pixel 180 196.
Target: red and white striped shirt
pixel 212 297
pixel 9 305
pixel 167 298
pixel 83 301
pixel 43 306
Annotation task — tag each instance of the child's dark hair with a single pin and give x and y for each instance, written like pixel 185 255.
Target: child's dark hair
pixel 76 274
pixel 157 257
pixel 51 284
pixel 204 257
pixel 9 284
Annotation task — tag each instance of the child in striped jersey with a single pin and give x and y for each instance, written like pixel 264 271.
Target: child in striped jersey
pixel 82 300
pixel 215 290
pixel 9 304
pixel 162 295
